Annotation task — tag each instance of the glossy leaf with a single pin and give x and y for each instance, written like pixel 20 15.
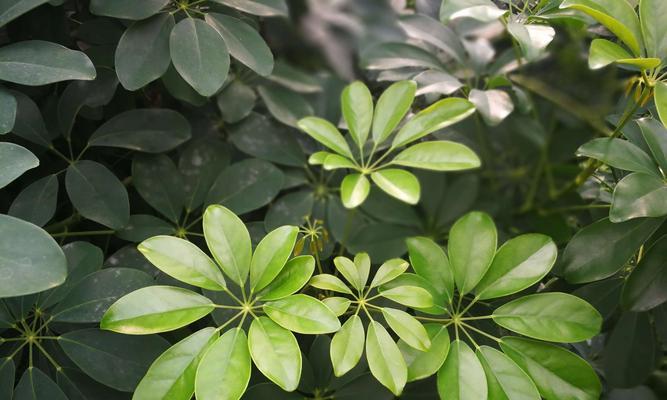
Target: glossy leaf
pixel 407 328
pixel 348 269
pixel 555 317
pixel 655 135
pixel 603 52
pixel 424 364
pixel 8 111
pixel 357 106
pixel 302 314
pixel 620 154
pixel 411 296
pixel 438 156
pixel 354 190
pixel 199 54
pixel 271 255
pixel 653 31
pixel 472 245
pixel 37 62
pixel 329 282
pixel 31 260
pixel 430 262
pixel 155 309
pixel 461 377
pixel 481 10
pixel 338 305
pixel 391 107
pixel 37 202
pixel 639 195
pixel 439 115
pixel 15 160
pixel 275 352
pixel 519 263
pixel 384 359
pixel 347 346
pixel 389 270
pixel 224 370
pixel 243 42
pixel 398 183
pixel 172 374
pixel 285 105
pixel 504 378
pixel 325 133
pixel 646 287
pixel 335 161
pixel 290 280
pixel 557 373
pixel 660 97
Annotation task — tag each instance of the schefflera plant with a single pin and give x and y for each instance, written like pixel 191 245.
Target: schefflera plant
pixel 210 365
pixel 471 272
pixel 370 126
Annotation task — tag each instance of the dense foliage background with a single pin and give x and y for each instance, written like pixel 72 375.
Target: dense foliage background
pixel 123 120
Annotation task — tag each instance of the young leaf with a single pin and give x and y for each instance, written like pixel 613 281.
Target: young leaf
pixel 335 161
pixel 348 269
pixel 461 377
pixel 302 314
pixel 638 195
pixel 243 42
pixel 183 260
pixel 424 364
pixel 329 282
pixel 224 370
pixel 603 52
pixel 398 183
pixel 384 359
pixel 15 160
pixel 271 255
pixel 411 296
pixel 327 134
pixel 407 328
pixel 229 242
pixel 172 375
pixel 354 190
pixel 199 54
pixel 504 378
pixel 357 106
pixel 36 63
pixel 155 309
pixel 390 109
pixel 363 263
pixel 439 115
pixel 388 271
pixel 430 262
pixel 472 245
pixel 557 373
pixel 619 153
pixel 440 155
pixel 347 346
pixel 519 263
pixel 290 280
pixel 338 305
pixel 646 287
pixel 142 54
pixel 555 317
pixel 275 352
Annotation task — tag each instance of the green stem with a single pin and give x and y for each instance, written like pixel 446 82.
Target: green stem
pixel 498 340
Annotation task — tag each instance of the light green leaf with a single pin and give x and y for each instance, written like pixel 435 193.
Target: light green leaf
pixel 384 359
pixel 462 375
pixel 142 54
pixel 98 194
pixel 557 373
pixel 603 52
pixel 275 352
pixel 407 328
pixel 653 28
pixel 655 135
pixel 439 115
pixel 329 282
pixel 224 370
pixel 504 378
pixel 183 260
pixel 424 364
pixel 363 263
pixel 302 314
pixel 12 9
pixel 36 63
pixel 472 244
pixel 291 279
pixel 335 161
pixel 354 190
pixel 229 242
pixel 660 98
pixel 357 106
pixel 153 130
pixel 347 346
pixel 271 255
pixel 519 263
pixel 155 309
pixel 318 157
pixel 619 153
pixel 199 54
pixel 15 160
pixel 347 268
pixel 388 271
pixel 127 9
pixel 439 155
pixel 243 42
pixel 390 109
pixel 172 375
pixel 555 317
pixel 338 305
pixel 638 195
pixel 31 260
pixel 326 133
pixel 398 183
pixel 430 262
pixel 617 16
pixel 410 296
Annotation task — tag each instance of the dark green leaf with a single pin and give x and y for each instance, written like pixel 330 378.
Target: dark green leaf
pixel 260 137
pixel 646 287
pixel 639 195
pixel 12 9
pixel 8 111
pixel 285 105
pixel 14 161
pixel 160 183
pixel 263 8
pixel 36 385
pixel 127 9
pixel 143 226
pixel 620 154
